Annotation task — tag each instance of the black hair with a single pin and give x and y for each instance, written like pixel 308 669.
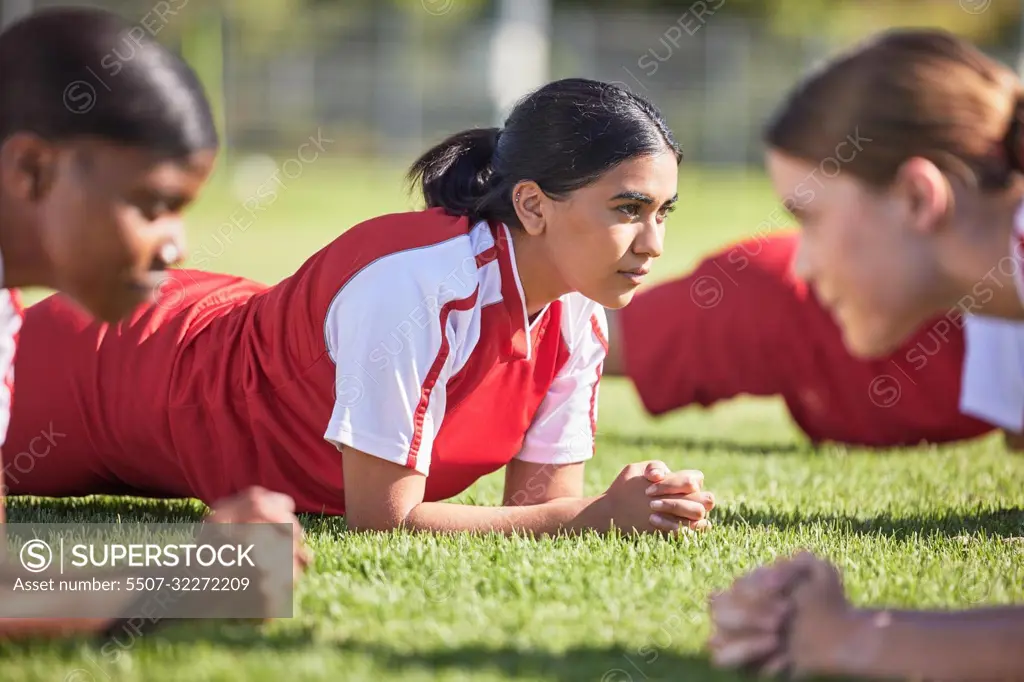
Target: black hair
pixel 80 72
pixel 562 136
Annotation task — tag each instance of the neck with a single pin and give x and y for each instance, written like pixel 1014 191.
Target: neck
pixel 982 268
pixel 537 273
pixel 25 263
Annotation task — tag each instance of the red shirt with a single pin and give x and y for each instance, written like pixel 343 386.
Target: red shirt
pixel 11 316
pixel 406 338
pixel 743 323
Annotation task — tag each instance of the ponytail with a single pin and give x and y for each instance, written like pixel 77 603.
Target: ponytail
pixel 563 136
pixel 457 174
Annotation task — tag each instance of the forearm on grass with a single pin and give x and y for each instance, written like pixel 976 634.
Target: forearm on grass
pixel 389 497
pixel 39 628
pixel 559 516
pixel 529 483
pixel 12 629
pixel 1014 442
pixel 981 644
pixel 48 608
pixel 30 612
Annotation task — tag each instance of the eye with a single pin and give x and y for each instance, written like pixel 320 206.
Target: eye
pixel 663 213
pixel 154 207
pixel 631 210
pixel 159 207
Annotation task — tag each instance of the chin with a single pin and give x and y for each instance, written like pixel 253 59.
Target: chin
pixel 612 301
pixel 868 343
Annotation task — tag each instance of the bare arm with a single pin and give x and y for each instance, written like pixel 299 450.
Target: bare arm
pixel 983 644
pixel 381 495
pixel 26 628
pixel 53 603
pixel 48 628
pixel 390 496
pixel 1014 441
pixel 794 614
pixel 32 628
pixel 251 506
pixel 528 483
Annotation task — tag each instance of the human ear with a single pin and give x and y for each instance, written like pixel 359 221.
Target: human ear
pixel 927 193
pixel 27 166
pixel 528 201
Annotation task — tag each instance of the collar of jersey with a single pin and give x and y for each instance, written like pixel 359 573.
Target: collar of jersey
pixel 519 346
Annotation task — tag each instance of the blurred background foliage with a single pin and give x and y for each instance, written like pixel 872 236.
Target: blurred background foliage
pixel 386 77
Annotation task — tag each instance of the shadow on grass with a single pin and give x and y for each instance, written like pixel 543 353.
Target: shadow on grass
pixel 992 522
pixel 824 448
pixel 134 510
pixel 102 509
pixel 701 444
pixel 583 663
pixel 586 664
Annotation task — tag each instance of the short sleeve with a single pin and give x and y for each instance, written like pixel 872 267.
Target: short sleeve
pixel 992 383
pixel 564 428
pixel 390 333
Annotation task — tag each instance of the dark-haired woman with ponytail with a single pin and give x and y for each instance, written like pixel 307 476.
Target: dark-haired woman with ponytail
pixel 413 355
pixel 924 217
pixel 93 180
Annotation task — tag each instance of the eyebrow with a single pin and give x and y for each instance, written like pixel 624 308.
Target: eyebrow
pixel 640 196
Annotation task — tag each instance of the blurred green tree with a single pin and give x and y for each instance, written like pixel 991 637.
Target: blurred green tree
pixel 984 20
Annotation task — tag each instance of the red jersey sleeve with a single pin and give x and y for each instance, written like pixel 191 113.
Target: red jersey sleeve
pixel 397 331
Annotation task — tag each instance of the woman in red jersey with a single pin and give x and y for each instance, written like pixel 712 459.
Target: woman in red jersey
pixel 743 323
pixel 414 354
pixel 924 218
pixel 91 194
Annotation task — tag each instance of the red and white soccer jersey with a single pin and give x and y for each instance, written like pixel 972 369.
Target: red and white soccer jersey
pixel 417 332
pixel 11 314
pixel 743 323
pixel 406 337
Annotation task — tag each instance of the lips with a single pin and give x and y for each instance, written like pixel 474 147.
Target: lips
pixel 148 281
pixel 639 272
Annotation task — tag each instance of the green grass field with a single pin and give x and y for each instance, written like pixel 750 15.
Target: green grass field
pixel 927 527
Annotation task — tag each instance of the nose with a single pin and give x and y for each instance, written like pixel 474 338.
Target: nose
pixel 650 241
pixel 172 250
pixel 170 254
